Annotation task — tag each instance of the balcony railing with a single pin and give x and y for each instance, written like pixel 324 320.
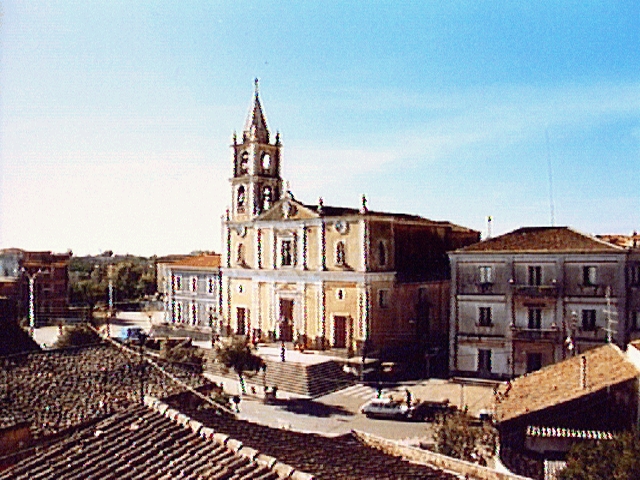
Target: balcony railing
pixel 536 290
pixel 535 334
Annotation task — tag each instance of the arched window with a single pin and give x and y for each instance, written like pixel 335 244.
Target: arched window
pixel 266 198
pixel 382 254
pixel 266 161
pixel 244 163
pixel 241 199
pixel 340 253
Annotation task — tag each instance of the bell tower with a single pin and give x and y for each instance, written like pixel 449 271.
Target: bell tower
pixel 256 182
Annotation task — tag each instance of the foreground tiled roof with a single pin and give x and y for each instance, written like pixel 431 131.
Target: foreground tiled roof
pixel 142 443
pixel 541 240
pixel 60 389
pixel 15 340
pixel 332 458
pixel 561 382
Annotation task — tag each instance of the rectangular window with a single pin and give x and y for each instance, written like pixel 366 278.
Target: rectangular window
pixel 211 285
pixel 194 313
pixel 177 283
pixel 535 318
pixel 194 284
pixel 535 275
pixel 484 316
pixel 588 320
pixel 340 254
pixel 178 313
pixel 634 275
pixel 383 298
pixel 484 361
pixel 486 274
pixel 286 253
pixel 589 275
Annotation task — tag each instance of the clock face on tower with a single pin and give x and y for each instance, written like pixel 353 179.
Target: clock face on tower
pixel 266 161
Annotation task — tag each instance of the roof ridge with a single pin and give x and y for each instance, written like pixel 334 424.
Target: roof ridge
pixel 281 469
pixel 596 239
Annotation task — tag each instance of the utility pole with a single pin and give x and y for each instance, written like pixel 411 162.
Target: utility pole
pixel 32 302
pixel 110 313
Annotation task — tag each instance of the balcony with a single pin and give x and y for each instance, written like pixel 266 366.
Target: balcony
pixel 536 334
pixel 536 291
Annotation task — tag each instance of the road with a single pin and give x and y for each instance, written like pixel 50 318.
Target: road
pixel 334 414
pixel 46 336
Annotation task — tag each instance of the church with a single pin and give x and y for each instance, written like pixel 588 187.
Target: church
pixel 327 277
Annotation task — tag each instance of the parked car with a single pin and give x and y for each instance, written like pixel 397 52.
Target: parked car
pixel 429 410
pixel 132 335
pixel 386 408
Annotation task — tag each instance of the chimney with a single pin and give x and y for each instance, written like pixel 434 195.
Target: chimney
pixel 583 372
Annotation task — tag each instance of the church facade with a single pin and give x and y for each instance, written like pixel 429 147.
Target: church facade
pixel 323 276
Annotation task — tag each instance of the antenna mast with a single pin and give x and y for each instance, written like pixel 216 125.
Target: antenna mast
pixel 551 208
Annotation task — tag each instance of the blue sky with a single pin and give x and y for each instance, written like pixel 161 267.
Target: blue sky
pixel 116 116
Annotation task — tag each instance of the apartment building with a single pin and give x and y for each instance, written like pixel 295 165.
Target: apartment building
pixel 538 295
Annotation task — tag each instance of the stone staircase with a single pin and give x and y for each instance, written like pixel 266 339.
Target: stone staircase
pixel 301 379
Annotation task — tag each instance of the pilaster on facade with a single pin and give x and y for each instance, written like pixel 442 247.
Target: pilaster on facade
pixel 274 249
pixel 303 233
pixel 305 311
pixel 323 310
pixel 364 245
pixel 322 260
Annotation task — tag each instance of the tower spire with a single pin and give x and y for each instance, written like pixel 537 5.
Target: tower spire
pixel 256 125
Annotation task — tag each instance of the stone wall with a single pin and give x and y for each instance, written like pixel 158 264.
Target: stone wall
pixel 453 465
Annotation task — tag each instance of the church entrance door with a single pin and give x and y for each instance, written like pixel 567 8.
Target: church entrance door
pixel 241 318
pixel 340 332
pixel 286 320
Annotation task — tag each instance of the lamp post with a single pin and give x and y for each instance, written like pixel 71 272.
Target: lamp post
pixel 110 313
pixel 32 304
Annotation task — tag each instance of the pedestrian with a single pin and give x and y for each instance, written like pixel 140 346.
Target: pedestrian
pixel 408 393
pixel 379 390
pixel 236 401
pixel 282 351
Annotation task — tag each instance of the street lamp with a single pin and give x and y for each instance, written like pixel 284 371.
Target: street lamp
pixel 32 307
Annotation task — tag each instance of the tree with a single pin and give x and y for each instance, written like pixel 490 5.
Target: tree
pixel 186 355
pixel 615 459
pixel 237 354
pixel 458 435
pixel 76 336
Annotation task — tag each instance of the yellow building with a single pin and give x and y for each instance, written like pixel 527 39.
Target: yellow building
pixel 328 277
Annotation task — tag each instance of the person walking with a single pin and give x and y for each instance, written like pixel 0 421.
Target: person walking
pixel 236 400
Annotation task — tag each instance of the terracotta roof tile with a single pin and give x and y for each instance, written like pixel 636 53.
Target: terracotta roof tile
pixel 561 382
pixel 344 457
pixel 542 239
pixel 139 443
pixel 201 261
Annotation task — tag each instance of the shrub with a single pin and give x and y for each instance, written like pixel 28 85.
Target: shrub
pixel 76 336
